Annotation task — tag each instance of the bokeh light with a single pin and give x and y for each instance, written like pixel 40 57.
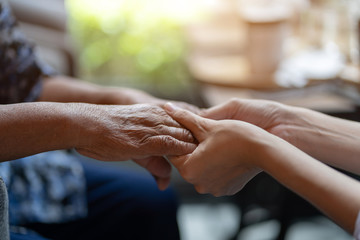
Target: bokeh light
pixel 132 42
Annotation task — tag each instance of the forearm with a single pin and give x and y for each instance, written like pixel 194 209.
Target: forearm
pixel 65 89
pixel 334 193
pixel 231 152
pixel 31 128
pixel 332 140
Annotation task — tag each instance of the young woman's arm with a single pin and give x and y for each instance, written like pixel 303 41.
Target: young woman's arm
pixel 332 140
pixel 332 192
pixel 231 152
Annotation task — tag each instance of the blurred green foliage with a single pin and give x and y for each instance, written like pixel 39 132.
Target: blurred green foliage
pixel 138 43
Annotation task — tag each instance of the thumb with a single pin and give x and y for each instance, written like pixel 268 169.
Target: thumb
pixel 189 120
pixel 218 112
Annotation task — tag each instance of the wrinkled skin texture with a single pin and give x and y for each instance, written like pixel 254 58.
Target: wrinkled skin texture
pixel 142 132
pixel 154 164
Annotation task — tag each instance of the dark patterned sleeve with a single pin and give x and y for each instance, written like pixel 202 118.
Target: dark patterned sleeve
pixel 21 72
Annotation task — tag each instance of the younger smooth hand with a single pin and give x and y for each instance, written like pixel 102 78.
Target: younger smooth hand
pixel 227 154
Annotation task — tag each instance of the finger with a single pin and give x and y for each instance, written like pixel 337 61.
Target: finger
pixel 163 183
pixel 178 161
pixel 151 115
pixel 184 105
pixel 167 145
pixel 219 112
pixel 156 165
pixel 168 121
pixel 193 122
pixel 181 134
pixel 188 107
pixel 181 163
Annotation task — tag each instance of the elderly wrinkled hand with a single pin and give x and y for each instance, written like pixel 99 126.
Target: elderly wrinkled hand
pixel 140 132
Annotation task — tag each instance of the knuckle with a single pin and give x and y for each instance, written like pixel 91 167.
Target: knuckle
pixel 158 128
pixel 163 142
pixel 146 139
pixel 167 141
pixel 186 134
pixel 234 101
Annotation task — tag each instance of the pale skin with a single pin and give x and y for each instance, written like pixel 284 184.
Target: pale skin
pixel 231 152
pixel 331 140
pixel 72 114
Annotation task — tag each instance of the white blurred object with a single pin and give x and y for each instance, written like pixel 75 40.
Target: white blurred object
pixel 311 64
pixel 208 221
pixel 265 10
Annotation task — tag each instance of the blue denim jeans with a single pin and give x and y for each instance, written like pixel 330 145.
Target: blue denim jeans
pixel 122 204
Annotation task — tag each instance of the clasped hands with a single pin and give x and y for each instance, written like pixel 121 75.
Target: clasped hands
pixel 233 141
pixel 218 156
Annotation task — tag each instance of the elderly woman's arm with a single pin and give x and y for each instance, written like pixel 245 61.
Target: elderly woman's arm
pixel 103 132
pixel 30 128
pixel 66 89
pixel 59 88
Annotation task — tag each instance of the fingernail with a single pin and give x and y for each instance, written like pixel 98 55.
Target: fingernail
pixel 170 107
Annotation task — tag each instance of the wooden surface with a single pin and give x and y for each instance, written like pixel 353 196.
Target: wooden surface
pixel 217 60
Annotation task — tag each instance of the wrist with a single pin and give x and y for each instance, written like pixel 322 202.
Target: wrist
pixel 286 122
pixel 73 124
pixel 269 151
pixel 55 122
pixel 83 126
pixel 260 145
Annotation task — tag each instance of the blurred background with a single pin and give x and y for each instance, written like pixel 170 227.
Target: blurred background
pixel 299 52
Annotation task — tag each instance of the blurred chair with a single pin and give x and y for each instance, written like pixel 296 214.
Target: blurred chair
pixel 45 23
pixel 4 215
